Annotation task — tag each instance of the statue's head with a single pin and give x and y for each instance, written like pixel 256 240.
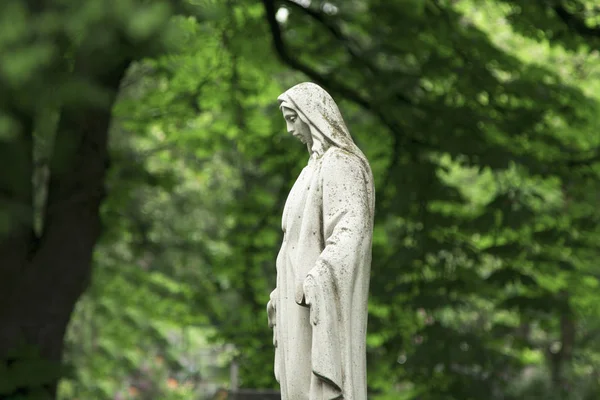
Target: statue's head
pixel 295 125
pixel 312 116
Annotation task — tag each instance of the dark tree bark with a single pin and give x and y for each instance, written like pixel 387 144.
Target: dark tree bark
pixel 44 272
pixel 42 277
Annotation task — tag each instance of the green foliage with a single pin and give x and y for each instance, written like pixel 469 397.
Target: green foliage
pixel 479 119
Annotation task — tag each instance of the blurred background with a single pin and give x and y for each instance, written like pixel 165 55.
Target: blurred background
pixel 144 165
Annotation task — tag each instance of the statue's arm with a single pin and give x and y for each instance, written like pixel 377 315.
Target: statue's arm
pixel 347 221
pixel 347 218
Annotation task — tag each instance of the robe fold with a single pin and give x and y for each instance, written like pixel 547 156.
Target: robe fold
pixel 323 269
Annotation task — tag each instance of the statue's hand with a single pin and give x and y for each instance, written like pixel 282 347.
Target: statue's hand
pixel 309 287
pixel 271 311
pixel 271 314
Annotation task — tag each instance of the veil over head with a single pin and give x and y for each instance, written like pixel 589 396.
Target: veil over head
pixel 318 110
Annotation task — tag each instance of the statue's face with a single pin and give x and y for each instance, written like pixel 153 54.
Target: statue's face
pixel 295 126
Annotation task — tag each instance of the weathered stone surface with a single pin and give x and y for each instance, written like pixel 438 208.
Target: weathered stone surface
pixel 318 311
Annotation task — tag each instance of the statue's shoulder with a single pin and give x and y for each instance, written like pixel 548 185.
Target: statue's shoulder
pixel 336 157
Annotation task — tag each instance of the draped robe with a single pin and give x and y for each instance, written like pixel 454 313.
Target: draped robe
pixel 323 268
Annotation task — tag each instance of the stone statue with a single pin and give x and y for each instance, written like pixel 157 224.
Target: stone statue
pixel 318 310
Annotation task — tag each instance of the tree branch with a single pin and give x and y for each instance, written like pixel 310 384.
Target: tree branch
pixel 345 41
pixel 338 87
pixel 305 69
pixel 347 44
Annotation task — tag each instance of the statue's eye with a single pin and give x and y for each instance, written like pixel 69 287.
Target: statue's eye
pixel 292 119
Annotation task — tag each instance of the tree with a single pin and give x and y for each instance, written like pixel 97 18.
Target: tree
pixel 63 63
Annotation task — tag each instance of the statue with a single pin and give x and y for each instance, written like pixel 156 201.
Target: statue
pixel 318 311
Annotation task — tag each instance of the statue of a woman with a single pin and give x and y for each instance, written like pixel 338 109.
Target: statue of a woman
pixel 318 311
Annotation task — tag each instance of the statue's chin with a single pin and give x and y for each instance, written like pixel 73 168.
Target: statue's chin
pixel 302 139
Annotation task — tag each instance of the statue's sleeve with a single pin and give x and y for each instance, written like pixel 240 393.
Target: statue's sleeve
pixel 346 216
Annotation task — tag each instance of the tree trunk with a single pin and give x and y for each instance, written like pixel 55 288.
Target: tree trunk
pixel 41 278
pixel 560 360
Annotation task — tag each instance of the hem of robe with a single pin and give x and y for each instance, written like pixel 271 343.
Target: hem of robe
pixel 326 352
pixel 330 390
